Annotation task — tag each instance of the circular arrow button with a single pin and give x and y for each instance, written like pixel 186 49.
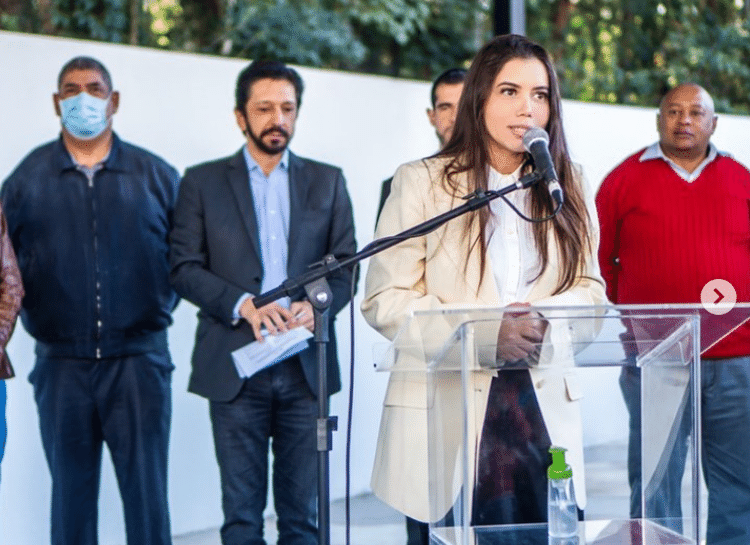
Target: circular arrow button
pixel 718 296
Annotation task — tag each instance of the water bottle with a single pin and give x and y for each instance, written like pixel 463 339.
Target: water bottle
pixel 562 512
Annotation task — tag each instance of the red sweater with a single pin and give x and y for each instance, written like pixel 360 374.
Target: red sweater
pixel 663 238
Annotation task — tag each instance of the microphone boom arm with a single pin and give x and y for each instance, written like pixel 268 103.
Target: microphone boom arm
pixel 329 265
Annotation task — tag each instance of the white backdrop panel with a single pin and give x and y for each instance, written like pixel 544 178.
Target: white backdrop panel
pixel 180 107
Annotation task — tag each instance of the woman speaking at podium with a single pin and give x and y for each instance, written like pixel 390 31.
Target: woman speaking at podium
pixel 490 257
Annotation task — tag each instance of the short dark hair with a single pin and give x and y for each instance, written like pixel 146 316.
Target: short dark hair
pixel 449 77
pixel 85 63
pixel 261 70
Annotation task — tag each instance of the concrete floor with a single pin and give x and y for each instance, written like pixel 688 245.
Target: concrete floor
pixel 374 523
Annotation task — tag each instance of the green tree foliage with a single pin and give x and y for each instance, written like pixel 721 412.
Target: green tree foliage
pixel 19 16
pixel 117 21
pixel 407 38
pixel 410 38
pixel 631 51
pixel 304 33
pixel 105 20
pixel 614 51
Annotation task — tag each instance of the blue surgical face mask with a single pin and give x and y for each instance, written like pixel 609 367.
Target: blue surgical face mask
pixel 84 116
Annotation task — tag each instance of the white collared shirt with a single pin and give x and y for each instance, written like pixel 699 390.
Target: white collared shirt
pixel 510 241
pixel 654 151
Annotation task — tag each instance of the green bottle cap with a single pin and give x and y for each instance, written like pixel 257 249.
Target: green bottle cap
pixel 559 468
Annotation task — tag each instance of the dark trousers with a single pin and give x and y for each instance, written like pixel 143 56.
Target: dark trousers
pixel 725 423
pixel 125 403
pixel 511 486
pixel 276 404
pixel 417 533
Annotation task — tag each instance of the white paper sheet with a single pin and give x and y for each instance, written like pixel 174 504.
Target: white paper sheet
pixel 256 356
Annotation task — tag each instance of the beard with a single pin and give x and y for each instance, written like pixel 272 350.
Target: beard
pixel 265 148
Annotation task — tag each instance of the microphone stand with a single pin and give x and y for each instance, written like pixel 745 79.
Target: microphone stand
pixel 319 294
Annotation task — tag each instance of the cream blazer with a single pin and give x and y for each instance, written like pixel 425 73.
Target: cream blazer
pixel 429 273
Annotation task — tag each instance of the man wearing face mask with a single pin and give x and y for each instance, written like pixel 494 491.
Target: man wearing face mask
pixel 89 217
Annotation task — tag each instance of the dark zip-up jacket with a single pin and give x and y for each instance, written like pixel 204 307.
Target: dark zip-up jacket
pixel 93 252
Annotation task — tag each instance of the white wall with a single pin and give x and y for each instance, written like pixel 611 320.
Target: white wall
pixel 180 107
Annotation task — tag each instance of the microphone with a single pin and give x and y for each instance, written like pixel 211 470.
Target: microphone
pixel 536 142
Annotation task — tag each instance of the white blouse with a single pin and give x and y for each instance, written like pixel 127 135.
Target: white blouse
pixel 510 241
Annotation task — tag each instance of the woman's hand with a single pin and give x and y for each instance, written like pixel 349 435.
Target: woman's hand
pixel 520 334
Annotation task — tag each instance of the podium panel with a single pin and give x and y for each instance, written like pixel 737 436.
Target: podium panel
pixel 617 386
pixel 620 532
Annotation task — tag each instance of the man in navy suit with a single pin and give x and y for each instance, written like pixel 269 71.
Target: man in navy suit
pixel 242 225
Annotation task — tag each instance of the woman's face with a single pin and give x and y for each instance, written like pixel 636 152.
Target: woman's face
pixel 518 100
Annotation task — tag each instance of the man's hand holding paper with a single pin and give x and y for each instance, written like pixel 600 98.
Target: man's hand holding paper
pixel 276 318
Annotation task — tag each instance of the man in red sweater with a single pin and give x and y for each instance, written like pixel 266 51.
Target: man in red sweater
pixel 673 217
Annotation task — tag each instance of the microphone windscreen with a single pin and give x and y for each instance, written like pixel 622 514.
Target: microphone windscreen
pixel 532 135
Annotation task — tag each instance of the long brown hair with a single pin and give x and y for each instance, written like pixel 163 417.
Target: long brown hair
pixel 571 224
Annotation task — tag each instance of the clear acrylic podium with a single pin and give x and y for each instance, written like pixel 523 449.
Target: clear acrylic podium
pixel 592 365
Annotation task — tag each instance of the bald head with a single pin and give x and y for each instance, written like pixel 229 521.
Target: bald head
pixel 686 122
pixel 689 89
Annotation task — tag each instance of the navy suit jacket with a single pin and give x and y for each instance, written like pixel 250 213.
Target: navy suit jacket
pixel 215 258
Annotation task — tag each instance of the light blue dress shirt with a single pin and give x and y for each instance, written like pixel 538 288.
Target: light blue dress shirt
pixel 271 202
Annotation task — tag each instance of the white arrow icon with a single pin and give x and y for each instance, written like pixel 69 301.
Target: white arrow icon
pixel 718 296
pixel 721 296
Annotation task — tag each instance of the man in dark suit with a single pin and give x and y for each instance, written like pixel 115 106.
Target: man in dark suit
pixel 445 94
pixel 242 225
